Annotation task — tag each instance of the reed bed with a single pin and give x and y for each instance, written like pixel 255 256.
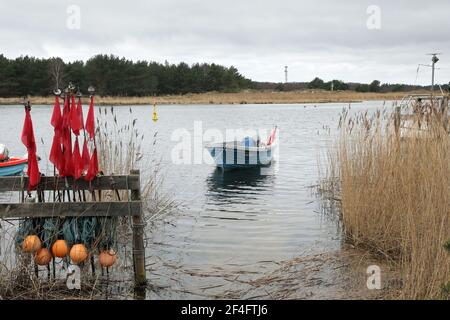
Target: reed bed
pixel 393 192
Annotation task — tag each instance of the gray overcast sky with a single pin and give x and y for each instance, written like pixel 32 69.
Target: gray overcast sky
pixel 325 38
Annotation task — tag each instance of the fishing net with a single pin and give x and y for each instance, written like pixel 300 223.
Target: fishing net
pixel 93 232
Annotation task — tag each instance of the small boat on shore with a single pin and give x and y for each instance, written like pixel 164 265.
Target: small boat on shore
pixel 10 166
pixel 13 166
pixel 249 153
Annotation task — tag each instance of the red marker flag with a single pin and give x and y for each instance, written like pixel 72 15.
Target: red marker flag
pixel 30 143
pixel 90 121
pixel 93 166
pixel 75 123
pixel 56 155
pixel 77 162
pixel 80 114
pixel 92 170
pixel 85 158
pixel 67 141
pixel 56 120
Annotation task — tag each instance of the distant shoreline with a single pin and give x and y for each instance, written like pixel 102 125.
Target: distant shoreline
pixel 244 97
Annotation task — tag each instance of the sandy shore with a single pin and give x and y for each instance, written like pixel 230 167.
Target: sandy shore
pixel 245 97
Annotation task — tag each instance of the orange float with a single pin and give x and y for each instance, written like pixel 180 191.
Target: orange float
pixel 78 253
pixel 31 244
pixel 60 249
pixel 43 257
pixel 107 258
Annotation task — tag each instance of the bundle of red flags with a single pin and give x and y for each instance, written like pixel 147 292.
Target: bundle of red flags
pixel 70 162
pixel 30 143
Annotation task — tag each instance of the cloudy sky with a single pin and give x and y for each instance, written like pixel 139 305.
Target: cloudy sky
pixel 355 40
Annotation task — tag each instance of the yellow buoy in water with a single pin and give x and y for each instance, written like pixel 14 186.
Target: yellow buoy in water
pixel 155 116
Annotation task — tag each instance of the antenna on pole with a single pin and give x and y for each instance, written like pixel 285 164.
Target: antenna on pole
pixel 285 74
pixel 434 60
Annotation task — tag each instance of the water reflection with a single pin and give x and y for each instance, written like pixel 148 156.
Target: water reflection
pixel 238 185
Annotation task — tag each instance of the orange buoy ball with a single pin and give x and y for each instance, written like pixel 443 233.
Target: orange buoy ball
pixel 31 244
pixel 107 258
pixel 60 249
pixel 78 253
pixel 43 257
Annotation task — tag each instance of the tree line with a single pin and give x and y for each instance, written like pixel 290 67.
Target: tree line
pixel 338 85
pixel 115 76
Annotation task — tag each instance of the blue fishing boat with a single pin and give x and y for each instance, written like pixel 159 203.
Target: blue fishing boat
pixel 248 153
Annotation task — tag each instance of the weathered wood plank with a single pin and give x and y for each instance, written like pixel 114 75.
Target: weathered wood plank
pixel 70 209
pixel 140 277
pixel 119 182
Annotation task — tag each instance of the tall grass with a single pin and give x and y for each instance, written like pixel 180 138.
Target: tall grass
pixel 394 195
pixel 122 147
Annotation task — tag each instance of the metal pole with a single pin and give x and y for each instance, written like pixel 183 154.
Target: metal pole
pixel 432 74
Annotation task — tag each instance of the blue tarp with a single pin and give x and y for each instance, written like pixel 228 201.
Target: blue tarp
pixel 248 142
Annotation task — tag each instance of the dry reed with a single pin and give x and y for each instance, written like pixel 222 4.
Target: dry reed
pixel 393 191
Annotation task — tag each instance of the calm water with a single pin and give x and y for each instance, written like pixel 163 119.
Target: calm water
pixel 228 223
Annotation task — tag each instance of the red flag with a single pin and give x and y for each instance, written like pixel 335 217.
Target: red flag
pixel 56 120
pixel 56 156
pixel 66 141
pixel 93 167
pixel 75 118
pixel 272 136
pixel 90 121
pixel 80 114
pixel 77 162
pixel 29 142
pixel 85 156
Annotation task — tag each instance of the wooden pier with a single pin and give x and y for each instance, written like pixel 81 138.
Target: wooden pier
pixel 131 206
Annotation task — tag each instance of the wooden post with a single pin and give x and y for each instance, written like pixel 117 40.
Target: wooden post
pixel 138 239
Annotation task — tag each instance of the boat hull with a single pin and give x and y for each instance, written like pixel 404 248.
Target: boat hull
pixel 229 156
pixel 13 167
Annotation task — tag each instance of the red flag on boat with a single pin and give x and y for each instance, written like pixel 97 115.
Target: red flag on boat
pixel 56 155
pixel 272 136
pixel 30 143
